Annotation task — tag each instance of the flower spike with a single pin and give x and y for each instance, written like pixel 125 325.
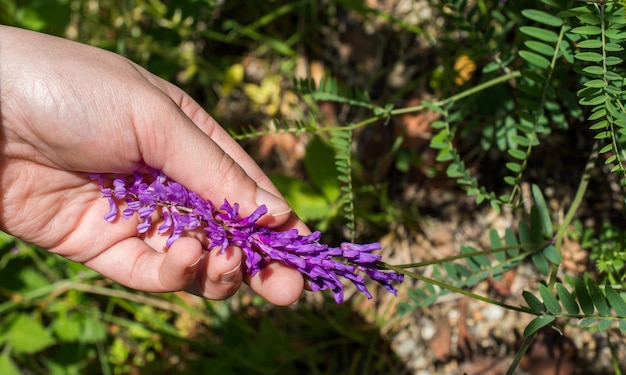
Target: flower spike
pixel 182 210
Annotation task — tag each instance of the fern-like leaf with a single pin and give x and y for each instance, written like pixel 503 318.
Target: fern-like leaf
pixel 341 140
pixel 602 41
pixel 276 127
pixel 330 89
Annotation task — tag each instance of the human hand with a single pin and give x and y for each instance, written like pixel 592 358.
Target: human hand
pixel 68 109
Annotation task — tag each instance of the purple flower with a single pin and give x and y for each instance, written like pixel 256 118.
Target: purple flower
pixel 182 210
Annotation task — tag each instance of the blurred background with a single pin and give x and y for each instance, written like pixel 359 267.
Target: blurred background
pixel 242 61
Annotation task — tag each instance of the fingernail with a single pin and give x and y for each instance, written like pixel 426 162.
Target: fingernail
pixel 275 206
pixel 196 262
pixel 230 276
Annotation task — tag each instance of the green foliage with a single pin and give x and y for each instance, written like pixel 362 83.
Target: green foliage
pixel 545 68
pixel 317 200
pixel 600 38
pixel 609 304
pixel 607 246
pixel 472 266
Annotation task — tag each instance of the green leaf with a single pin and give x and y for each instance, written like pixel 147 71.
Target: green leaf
pixel 595 70
pixel 616 300
pixel 67 327
pixel 452 272
pixel 517 153
pixel 598 112
pixel 567 299
pixel 612 90
pixel 542 17
pixel 539 33
pixel 589 56
pixel 520 140
pixel 591 43
pixel 583 296
pixel 538 323
pixel 317 161
pixel 598 298
pixel 514 167
pixel 587 322
pixel 511 241
pixel 475 262
pixel 536 227
pixel 535 59
pixel 574 12
pixel 615 34
pixel 552 254
pixel 612 47
pixel 586 30
pixel 612 76
pixel 7 366
pixel 540 47
pixel 595 83
pixel 606 148
pixel 542 207
pixel 592 100
pixel 533 302
pixel 603 135
pixel 433 107
pixel 602 124
pixel 549 300
pixel 94 329
pixel 523 231
pixel 496 243
pixel 510 180
pixel 305 201
pixel 541 263
pixel 613 60
pixel 462 270
pixel 604 324
pixel 27 335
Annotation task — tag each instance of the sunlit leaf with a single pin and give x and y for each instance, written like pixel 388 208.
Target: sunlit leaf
pixel 586 30
pixel 595 70
pixel 535 59
pixel 7 366
pixel 589 56
pixel 27 335
pixel 539 33
pixel 540 47
pixel 542 17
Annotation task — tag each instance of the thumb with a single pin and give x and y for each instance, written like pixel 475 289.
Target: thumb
pixel 193 157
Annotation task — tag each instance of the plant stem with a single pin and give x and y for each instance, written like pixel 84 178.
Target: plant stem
pixel 455 289
pixel 469 255
pixel 578 199
pixel 520 353
pixel 461 95
pixel 439 103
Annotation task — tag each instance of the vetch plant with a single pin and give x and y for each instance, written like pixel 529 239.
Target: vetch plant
pixel 184 211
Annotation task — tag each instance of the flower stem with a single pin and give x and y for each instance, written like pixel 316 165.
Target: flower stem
pixel 455 289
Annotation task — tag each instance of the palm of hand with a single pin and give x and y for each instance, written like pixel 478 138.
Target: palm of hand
pixel 99 112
